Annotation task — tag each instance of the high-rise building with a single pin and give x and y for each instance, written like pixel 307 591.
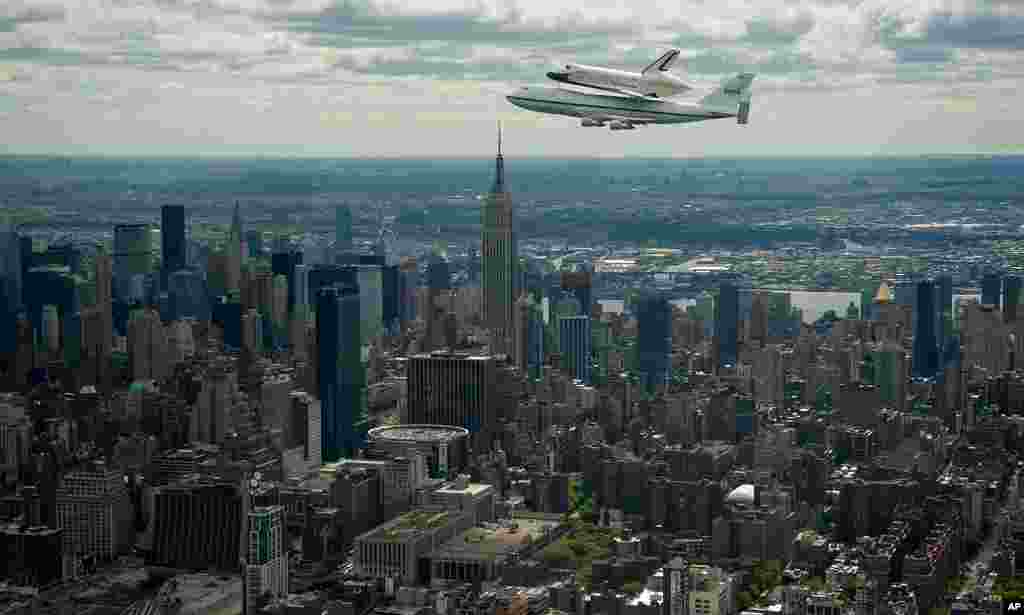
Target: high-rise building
pixel 133 259
pixel 342 229
pixel 454 389
pixel 286 264
pixel 211 421
pixel 300 434
pixel 390 297
pixel 1012 285
pixel 254 243
pixel 926 344
pixel 197 524
pixel 654 339
pixel 10 284
pixel 500 261
pixel 279 311
pixel 371 301
pixel 574 346
pixel 759 320
pixel 94 510
pixel 944 305
pixel 438 288
pixel 727 310
pixel 409 281
pixel 579 284
pixel 186 296
pixel 301 285
pixel 340 372
pixel 147 346
pixel 173 240
pixel 991 288
pixel 51 330
pixel 233 274
pixel 890 374
pixel 529 350
pixel 267 556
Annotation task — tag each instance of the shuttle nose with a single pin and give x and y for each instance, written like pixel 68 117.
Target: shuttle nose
pixel 559 76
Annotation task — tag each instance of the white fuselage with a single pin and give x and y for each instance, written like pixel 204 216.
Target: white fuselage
pixel 658 83
pixel 603 108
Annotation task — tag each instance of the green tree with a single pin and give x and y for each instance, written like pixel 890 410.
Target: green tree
pixel 743 601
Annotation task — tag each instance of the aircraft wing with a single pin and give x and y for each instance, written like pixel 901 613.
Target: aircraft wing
pixel 611 117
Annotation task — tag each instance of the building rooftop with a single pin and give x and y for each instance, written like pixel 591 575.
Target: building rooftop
pixel 454 488
pixel 412 522
pixel 205 593
pixel 494 540
pixel 419 433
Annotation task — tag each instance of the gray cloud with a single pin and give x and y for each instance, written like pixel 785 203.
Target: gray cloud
pixel 771 32
pixel 10 23
pixel 924 54
pixel 979 31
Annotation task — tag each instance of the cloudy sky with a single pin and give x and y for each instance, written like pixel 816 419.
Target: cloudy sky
pixel 428 77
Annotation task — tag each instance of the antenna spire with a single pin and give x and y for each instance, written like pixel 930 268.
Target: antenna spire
pixel 499 163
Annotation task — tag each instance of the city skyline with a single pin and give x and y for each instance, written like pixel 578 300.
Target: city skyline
pixel 318 78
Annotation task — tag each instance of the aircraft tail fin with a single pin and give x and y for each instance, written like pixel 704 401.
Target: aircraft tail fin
pixel 663 63
pixel 733 95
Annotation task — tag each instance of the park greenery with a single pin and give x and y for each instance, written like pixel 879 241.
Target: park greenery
pixel 764 578
pixel 579 548
pixel 1009 588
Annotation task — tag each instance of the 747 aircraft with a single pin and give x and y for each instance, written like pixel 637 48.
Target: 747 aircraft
pixel 626 112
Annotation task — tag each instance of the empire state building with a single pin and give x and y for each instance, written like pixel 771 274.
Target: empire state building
pixel 500 261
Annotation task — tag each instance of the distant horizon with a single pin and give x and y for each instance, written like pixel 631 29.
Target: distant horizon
pixel 276 157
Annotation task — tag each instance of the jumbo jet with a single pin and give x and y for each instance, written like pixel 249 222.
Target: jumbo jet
pixel 655 81
pixel 730 99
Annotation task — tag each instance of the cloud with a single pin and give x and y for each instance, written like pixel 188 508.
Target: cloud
pixel 166 65
pixel 980 31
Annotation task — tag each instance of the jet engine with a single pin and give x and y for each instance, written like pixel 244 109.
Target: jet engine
pixel 589 123
pixel 620 125
pixel 743 113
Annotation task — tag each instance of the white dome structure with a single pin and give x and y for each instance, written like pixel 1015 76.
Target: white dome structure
pixel 744 495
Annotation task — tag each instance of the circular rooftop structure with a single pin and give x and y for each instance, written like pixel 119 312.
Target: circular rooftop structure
pixel 433 434
pixel 445 448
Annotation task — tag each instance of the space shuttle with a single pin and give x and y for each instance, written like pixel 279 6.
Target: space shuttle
pixel 655 81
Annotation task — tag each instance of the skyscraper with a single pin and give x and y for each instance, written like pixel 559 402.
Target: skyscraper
pixel 500 261
pixel 654 338
pixel 174 244
pixel 454 389
pixel 926 346
pixel 438 286
pixel 284 263
pixel 267 558
pixel 10 284
pixel 1011 297
pixel 233 277
pixel 727 313
pixel 574 344
pixel 340 371
pixel 579 284
pixel 944 305
pixel 342 229
pixel 133 259
pixel 991 287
